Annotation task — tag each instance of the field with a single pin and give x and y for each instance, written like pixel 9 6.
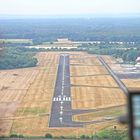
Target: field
pixel 16 41
pixel 101 114
pixel 95 98
pixel 12 91
pixel 26 96
pixel 132 84
pixel 93 88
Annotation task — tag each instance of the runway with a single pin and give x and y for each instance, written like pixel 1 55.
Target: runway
pixel 61 112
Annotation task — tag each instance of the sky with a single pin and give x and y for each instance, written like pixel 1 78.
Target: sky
pixel 69 7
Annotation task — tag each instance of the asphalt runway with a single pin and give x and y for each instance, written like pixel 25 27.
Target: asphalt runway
pixel 61 112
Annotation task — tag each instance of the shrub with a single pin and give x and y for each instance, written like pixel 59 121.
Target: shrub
pixel 16 136
pixel 48 135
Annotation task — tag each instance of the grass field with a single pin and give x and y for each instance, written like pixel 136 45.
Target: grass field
pixel 87 70
pixel 26 96
pixel 97 81
pixel 27 93
pixel 109 59
pixel 94 89
pixel 94 98
pixel 38 98
pixel 101 114
pixel 132 84
pixel 85 60
pixel 16 41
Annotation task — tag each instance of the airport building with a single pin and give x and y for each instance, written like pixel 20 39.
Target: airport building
pixel 138 62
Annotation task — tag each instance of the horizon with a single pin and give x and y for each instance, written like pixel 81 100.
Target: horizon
pixel 86 16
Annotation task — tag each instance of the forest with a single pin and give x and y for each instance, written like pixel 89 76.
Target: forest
pixel 16 57
pixel 101 29
pixel 128 53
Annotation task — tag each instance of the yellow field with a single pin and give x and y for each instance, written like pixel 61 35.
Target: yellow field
pixel 84 59
pixel 109 59
pixel 26 95
pixel 99 81
pixel 87 70
pixel 93 88
pixel 38 98
pixel 101 114
pixel 94 98
pixel 132 84
pixel 48 59
pixel 12 91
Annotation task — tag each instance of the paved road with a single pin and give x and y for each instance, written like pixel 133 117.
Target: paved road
pixel 119 82
pixel 128 75
pixel 61 115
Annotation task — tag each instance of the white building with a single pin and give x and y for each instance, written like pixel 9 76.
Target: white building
pixel 138 62
pixel 63 41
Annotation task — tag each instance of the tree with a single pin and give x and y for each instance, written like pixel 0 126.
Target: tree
pixel 47 135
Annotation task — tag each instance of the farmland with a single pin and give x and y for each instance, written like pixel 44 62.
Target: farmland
pixel 27 96
pixel 93 88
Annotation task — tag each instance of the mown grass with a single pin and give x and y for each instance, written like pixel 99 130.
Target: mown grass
pixel 111 135
pixel 111 112
pixel 102 135
pixel 32 111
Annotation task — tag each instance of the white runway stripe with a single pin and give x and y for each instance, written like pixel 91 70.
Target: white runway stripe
pixel 62 99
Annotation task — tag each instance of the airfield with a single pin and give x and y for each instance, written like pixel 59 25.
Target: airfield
pixel 67 94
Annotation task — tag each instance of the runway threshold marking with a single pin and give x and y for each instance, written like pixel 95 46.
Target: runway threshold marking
pixel 61 99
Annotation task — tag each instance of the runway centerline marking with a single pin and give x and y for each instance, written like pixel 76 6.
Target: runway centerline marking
pixel 62 96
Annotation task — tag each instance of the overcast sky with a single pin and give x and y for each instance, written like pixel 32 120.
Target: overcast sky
pixel 68 7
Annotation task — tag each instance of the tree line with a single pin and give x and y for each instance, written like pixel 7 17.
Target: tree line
pixel 101 29
pixel 128 53
pixel 17 57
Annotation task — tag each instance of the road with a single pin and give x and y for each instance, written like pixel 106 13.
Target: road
pixel 115 77
pixel 61 115
pixel 128 75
